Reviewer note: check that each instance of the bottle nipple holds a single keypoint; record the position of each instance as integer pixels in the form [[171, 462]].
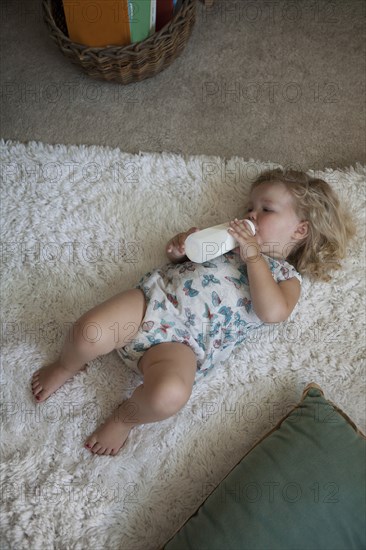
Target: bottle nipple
[[251, 225]]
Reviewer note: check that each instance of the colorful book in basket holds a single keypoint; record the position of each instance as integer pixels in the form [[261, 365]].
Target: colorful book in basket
[[99, 23], [164, 13], [142, 14]]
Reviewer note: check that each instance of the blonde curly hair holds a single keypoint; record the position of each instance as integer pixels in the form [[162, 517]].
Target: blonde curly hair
[[330, 226]]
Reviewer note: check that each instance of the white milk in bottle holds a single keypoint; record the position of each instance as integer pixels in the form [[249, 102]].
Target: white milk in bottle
[[207, 244]]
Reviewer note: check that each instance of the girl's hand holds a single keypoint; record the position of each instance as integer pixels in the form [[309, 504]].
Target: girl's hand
[[175, 248], [249, 248]]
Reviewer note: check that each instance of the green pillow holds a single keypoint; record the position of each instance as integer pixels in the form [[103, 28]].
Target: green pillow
[[301, 487]]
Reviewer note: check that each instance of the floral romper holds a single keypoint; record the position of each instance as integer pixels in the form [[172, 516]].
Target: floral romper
[[205, 306]]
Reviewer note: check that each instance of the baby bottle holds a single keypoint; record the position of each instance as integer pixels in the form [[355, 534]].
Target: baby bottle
[[212, 242]]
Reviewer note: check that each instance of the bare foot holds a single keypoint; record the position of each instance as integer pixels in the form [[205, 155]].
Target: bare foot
[[110, 436], [48, 379]]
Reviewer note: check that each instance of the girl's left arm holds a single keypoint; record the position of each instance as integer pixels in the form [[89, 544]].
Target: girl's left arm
[[272, 302]]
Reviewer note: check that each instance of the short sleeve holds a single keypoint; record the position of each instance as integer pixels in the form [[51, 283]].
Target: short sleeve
[[282, 270]]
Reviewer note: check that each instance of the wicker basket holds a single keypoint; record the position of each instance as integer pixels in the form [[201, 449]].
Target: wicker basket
[[124, 64]]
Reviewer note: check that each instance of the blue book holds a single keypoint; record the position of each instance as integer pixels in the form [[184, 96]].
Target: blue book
[[177, 5]]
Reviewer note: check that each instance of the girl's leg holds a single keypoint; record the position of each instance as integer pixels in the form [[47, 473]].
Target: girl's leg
[[104, 328], [169, 371]]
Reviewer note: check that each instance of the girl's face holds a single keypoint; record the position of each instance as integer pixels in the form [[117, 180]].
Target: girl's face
[[272, 211]]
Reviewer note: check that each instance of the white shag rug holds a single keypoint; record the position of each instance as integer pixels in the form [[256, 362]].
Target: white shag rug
[[81, 223]]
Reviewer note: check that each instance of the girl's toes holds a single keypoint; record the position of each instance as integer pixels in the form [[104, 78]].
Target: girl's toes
[[96, 448], [92, 445], [89, 444], [102, 451], [37, 389], [40, 394]]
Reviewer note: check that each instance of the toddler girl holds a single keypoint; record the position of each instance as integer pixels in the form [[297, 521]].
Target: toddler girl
[[183, 318]]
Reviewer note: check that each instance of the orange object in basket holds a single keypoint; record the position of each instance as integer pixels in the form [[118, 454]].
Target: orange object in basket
[[98, 23]]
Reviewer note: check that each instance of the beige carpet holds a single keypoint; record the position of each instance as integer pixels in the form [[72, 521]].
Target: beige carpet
[[276, 80]]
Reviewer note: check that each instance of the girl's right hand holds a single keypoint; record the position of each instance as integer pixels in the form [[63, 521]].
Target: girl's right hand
[[175, 248]]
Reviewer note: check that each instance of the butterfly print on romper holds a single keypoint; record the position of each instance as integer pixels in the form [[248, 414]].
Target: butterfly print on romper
[[190, 317], [216, 300], [187, 266], [246, 303], [188, 290], [172, 299], [147, 326], [181, 334], [208, 315], [207, 279], [159, 305], [164, 326]]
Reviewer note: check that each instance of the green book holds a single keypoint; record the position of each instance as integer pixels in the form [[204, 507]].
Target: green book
[[139, 12]]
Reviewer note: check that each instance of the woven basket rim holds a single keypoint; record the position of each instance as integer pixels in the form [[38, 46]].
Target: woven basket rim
[[130, 48]]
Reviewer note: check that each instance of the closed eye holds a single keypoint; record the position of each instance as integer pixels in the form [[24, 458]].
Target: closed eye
[[264, 210]]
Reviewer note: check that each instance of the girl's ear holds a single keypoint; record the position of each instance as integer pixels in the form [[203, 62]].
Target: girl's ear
[[302, 230]]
